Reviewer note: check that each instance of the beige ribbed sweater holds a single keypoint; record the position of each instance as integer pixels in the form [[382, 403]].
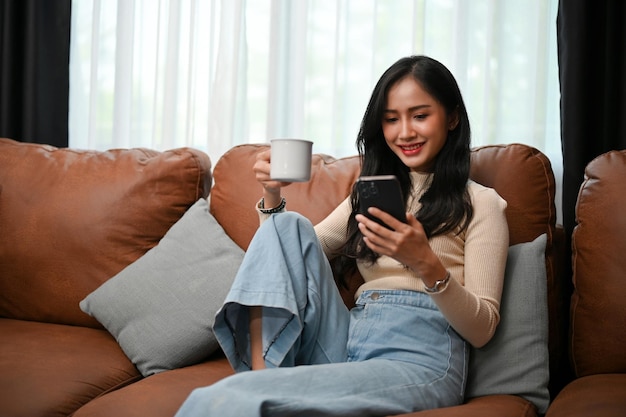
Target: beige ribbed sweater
[[475, 259]]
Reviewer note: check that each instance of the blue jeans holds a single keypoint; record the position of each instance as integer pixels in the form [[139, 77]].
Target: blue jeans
[[392, 353]]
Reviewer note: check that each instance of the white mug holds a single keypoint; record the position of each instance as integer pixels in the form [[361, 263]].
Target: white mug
[[290, 160]]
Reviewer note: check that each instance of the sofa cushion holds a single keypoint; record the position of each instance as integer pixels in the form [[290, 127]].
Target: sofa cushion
[[71, 219], [598, 339], [159, 395], [490, 406], [161, 307], [594, 395], [523, 176], [515, 361], [236, 191], [52, 370]]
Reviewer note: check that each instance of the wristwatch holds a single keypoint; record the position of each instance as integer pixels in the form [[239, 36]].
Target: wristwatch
[[440, 285]]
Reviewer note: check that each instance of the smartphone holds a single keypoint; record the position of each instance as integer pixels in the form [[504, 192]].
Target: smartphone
[[382, 192]]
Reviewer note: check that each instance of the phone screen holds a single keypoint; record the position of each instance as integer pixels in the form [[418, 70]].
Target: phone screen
[[382, 192]]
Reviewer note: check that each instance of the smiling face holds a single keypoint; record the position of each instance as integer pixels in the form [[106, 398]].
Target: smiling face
[[415, 124]]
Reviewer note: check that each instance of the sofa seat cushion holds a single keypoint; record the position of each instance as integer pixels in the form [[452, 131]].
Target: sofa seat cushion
[[52, 369], [159, 395], [488, 406], [594, 395]]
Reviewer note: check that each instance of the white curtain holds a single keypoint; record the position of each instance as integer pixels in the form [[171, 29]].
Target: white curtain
[[215, 73]]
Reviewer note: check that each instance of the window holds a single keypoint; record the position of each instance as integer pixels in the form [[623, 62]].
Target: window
[[214, 74]]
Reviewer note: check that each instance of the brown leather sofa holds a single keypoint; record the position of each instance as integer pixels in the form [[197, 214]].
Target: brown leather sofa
[[71, 219], [598, 310]]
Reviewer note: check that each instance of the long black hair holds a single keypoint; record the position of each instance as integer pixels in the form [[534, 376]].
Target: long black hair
[[446, 205]]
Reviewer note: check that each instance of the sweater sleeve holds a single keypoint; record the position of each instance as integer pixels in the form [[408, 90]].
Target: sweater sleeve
[[332, 231], [472, 308]]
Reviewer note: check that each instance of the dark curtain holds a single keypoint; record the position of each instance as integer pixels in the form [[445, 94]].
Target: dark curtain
[[34, 70], [591, 38], [592, 71]]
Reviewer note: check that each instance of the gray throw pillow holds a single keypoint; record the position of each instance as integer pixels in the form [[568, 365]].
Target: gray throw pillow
[[515, 361], [161, 308]]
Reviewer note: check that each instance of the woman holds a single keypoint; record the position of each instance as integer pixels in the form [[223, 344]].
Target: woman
[[432, 284]]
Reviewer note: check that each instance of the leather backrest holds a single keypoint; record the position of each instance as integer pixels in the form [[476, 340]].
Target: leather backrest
[[236, 191], [598, 309], [521, 174], [71, 219]]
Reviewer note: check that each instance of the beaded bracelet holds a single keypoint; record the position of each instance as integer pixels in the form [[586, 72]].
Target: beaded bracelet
[[276, 209]]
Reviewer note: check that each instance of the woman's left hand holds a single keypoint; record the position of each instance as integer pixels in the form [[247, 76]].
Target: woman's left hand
[[407, 242]]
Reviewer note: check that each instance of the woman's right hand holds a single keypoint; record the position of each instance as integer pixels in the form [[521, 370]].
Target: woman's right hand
[[271, 189]]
